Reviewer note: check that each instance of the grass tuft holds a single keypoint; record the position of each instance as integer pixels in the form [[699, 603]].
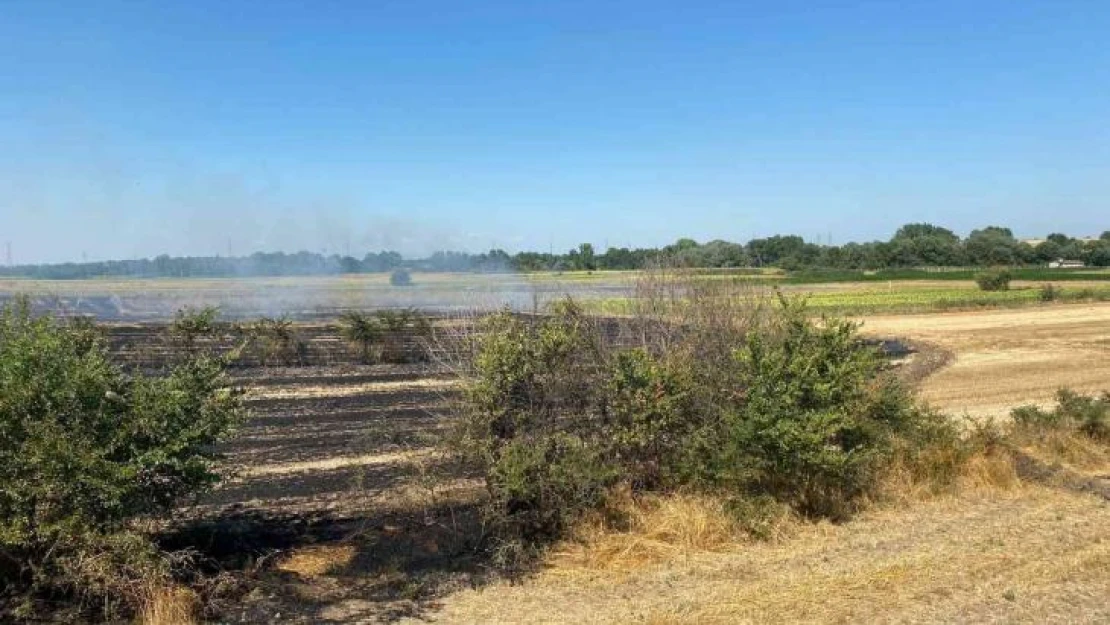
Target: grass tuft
[[169, 605]]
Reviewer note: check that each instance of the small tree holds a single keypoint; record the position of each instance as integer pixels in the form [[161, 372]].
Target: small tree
[[994, 280], [363, 331], [400, 277]]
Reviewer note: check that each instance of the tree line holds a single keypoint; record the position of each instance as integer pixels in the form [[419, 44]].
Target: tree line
[[913, 245]]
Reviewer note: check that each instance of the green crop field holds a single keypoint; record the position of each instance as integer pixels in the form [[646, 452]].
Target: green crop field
[[903, 297]]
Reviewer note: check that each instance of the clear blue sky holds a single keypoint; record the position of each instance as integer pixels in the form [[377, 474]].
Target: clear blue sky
[[134, 128]]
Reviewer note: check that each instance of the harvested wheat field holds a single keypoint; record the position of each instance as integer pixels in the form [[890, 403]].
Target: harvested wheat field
[[1004, 358], [1029, 555]]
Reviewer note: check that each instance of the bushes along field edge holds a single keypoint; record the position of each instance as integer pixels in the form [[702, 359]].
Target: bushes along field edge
[[87, 449], [745, 399]]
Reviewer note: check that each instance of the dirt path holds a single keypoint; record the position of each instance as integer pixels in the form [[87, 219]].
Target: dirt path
[[1008, 357]]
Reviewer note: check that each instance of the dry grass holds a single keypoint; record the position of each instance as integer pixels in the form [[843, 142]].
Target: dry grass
[[1005, 358], [989, 547], [316, 560], [650, 530], [1025, 555], [170, 605], [408, 457], [1065, 448]]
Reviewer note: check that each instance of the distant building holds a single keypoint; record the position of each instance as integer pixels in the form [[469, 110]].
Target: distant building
[[1061, 263]]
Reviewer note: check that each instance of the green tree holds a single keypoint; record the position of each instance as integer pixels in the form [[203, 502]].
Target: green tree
[[926, 231], [993, 246], [583, 258]]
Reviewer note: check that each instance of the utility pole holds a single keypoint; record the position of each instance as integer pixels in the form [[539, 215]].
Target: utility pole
[[8, 254]]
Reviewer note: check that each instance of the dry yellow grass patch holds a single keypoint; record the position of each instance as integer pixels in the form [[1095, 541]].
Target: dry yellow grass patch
[[656, 529], [316, 560], [989, 471], [306, 391], [1026, 555], [338, 462], [1070, 449], [990, 548], [170, 605]]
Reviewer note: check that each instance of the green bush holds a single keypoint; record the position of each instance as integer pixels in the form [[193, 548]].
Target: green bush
[[403, 332], [816, 417], [362, 331], [1087, 414], [556, 414], [648, 408], [85, 449], [994, 280], [531, 424], [395, 336]]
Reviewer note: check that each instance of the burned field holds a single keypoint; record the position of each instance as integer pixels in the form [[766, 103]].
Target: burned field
[[337, 503], [340, 501]]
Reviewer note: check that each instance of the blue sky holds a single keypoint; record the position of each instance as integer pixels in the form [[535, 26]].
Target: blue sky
[[135, 128]]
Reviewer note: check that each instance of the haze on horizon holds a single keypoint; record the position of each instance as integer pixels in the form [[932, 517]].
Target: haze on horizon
[[198, 128]]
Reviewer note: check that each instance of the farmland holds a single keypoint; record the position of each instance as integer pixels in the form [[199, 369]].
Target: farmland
[[341, 507], [609, 292]]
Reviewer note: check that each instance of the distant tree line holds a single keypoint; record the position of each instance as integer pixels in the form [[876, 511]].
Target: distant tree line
[[913, 245]]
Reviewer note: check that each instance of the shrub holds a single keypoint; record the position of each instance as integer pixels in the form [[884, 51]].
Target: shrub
[[277, 341], [531, 425], [362, 331], [556, 412], [402, 335], [400, 277], [86, 449], [1089, 415], [993, 280], [395, 336], [816, 417], [190, 324], [1050, 292]]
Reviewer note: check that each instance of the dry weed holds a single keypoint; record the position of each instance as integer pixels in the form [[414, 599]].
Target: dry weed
[[169, 605], [316, 560], [652, 530]]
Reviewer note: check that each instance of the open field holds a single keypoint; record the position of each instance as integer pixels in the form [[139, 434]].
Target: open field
[[330, 513], [1008, 357], [309, 296], [606, 291], [330, 488], [905, 296]]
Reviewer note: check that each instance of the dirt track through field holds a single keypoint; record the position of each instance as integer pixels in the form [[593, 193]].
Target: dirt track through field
[[1005, 358]]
